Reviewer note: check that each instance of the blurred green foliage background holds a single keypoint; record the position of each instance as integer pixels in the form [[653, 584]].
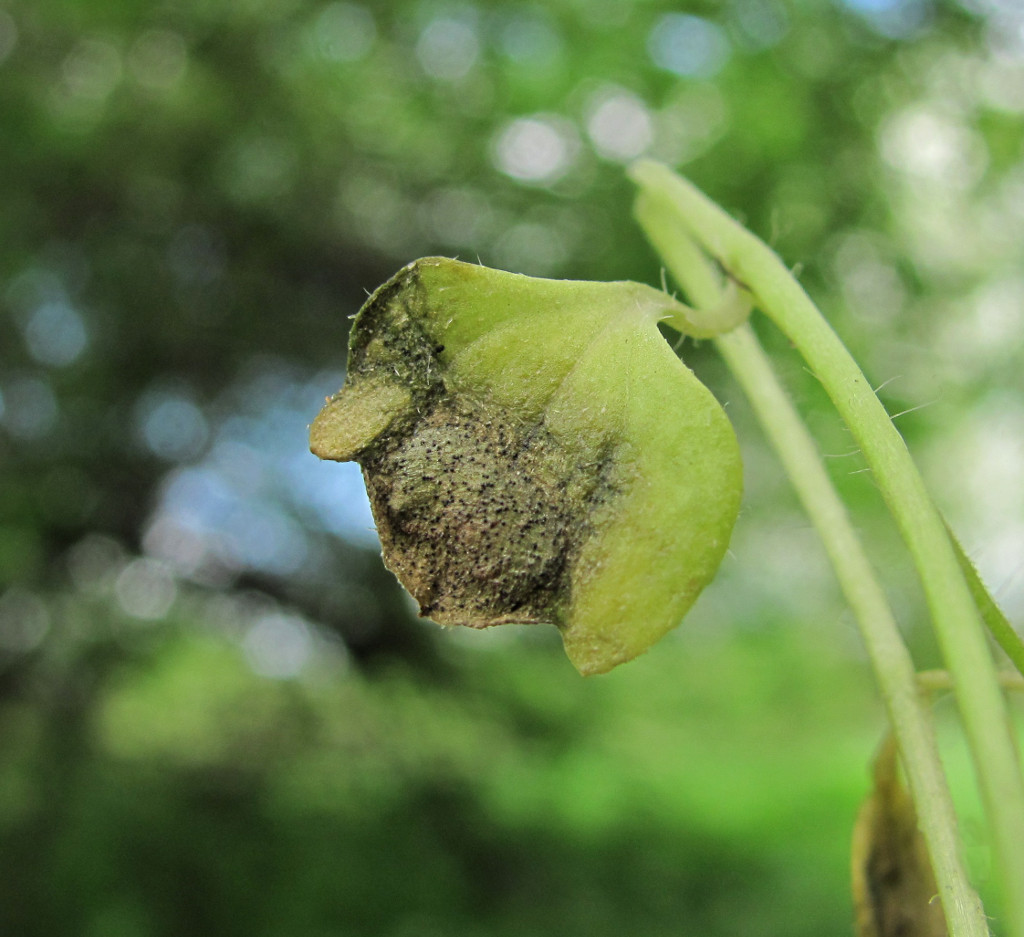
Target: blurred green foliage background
[[218, 715]]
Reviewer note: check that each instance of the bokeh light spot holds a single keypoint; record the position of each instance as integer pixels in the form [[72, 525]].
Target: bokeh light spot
[[619, 124], [335, 496], [260, 168], [172, 426], [92, 70], [531, 247], [528, 38], [871, 285], [380, 210], [278, 645], [448, 48], [690, 124], [265, 537], [344, 32], [93, 562], [206, 529], [761, 23], [158, 59], [537, 150], [31, 409], [257, 500], [55, 334], [24, 621], [894, 19], [687, 45], [989, 335], [145, 589], [984, 493], [457, 217], [924, 144], [1004, 32], [1001, 83]]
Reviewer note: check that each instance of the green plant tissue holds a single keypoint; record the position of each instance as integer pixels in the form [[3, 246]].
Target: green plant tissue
[[535, 452]]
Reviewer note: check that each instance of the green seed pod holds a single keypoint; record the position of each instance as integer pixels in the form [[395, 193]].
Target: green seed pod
[[535, 452]]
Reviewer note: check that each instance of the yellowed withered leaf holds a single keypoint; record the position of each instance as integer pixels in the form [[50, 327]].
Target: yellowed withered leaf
[[894, 890], [535, 452]]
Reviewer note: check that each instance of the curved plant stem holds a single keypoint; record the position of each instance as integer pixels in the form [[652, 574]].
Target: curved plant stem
[[890, 659], [955, 617], [991, 613]]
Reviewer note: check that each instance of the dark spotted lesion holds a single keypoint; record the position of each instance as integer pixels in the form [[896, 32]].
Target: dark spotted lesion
[[481, 518], [391, 337]]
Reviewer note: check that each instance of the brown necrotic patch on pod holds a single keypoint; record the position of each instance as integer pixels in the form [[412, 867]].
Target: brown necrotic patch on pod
[[534, 452], [479, 517]]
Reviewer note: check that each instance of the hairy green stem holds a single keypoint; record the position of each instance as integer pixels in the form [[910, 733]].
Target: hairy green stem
[[890, 659], [889, 656], [955, 617], [991, 613]]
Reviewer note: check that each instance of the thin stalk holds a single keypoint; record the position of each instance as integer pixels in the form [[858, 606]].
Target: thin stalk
[[930, 681], [890, 659], [991, 613], [956, 620]]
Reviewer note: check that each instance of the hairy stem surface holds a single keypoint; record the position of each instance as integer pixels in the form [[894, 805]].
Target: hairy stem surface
[[955, 617], [893, 667]]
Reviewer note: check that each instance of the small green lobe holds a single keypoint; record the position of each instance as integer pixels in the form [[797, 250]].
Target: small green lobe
[[350, 422]]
